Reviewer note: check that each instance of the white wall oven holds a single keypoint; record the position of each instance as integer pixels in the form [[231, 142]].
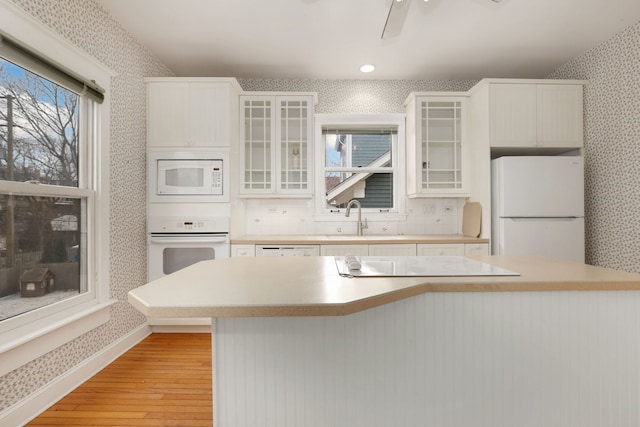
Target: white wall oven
[[190, 176], [178, 242]]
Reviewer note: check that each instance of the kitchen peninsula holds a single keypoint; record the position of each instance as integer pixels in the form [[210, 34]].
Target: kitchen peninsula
[[296, 344]]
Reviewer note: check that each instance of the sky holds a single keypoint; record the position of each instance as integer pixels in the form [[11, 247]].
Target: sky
[[43, 107]]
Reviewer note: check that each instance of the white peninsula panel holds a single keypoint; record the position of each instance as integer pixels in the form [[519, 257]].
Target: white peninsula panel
[[504, 359]]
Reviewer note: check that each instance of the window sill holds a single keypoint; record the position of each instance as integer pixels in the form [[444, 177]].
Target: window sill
[[26, 343]]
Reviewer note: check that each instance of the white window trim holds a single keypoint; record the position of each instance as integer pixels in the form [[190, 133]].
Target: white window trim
[[398, 213], [81, 314]]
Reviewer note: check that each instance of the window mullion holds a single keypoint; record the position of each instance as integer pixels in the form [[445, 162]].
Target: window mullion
[[28, 189], [385, 169]]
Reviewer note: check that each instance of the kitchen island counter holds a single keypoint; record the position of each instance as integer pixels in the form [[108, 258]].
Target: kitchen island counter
[[311, 286], [295, 344]]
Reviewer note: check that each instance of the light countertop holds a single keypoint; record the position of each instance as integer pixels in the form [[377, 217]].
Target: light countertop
[[350, 239], [311, 286]]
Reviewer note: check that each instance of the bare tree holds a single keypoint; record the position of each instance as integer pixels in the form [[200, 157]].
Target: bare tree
[[44, 148], [46, 127]]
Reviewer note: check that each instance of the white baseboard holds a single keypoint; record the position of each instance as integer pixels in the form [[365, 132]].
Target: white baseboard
[[180, 325], [30, 407], [180, 321], [181, 329]]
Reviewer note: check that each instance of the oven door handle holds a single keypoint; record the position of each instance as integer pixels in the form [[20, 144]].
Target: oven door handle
[[174, 240]]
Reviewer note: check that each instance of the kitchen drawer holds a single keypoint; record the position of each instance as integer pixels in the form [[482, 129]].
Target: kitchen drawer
[[342, 250], [471, 249], [445, 249], [406, 249], [287, 250], [243, 250]]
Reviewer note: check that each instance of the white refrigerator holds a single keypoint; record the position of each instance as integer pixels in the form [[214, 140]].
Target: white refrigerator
[[537, 206]]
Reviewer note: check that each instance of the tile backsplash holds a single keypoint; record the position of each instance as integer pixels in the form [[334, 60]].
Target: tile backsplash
[[289, 216]]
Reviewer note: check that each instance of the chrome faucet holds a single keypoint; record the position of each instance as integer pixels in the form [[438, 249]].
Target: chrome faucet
[[361, 226]]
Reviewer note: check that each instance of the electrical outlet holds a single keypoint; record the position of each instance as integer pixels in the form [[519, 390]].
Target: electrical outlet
[[272, 211]]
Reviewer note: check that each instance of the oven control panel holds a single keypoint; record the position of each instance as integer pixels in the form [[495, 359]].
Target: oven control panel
[[182, 226], [188, 225], [191, 225]]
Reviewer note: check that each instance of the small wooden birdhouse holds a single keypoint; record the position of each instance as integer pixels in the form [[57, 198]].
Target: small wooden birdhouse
[[36, 282]]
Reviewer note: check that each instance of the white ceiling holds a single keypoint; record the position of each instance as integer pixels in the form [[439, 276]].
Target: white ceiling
[[330, 39]]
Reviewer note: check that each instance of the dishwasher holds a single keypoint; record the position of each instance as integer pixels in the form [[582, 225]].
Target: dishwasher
[[288, 250]]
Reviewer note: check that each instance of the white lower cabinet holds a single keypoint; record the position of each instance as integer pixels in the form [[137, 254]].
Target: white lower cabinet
[[391, 249], [471, 249], [444, 249], [243, 250], [342, 250], [407, 249]]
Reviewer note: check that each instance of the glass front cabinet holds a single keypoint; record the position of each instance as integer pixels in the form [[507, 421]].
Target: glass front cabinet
[[436, 147], [276, 144]]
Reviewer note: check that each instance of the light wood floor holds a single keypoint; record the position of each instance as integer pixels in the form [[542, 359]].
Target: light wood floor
[[163, 381]]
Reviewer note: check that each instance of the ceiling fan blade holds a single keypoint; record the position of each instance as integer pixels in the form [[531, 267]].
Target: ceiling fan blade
[[395, 18]]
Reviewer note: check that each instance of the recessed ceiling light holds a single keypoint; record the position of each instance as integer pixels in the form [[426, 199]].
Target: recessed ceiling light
[[367, 68]]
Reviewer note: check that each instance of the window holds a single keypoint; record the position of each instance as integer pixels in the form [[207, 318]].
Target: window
[[55, 179], [47, 132], [43, 207], [360, 160], [359, 165]]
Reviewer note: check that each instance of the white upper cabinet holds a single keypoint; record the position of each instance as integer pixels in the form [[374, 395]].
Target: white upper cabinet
[[560, 115], [513, 115], [545, 115], [437, 152], [276, 144], [198, 112]]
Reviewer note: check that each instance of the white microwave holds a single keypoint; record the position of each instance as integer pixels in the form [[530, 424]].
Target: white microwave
[[188, 176]]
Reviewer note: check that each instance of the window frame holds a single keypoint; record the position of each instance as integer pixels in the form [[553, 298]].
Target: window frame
[[37, 332], [397, 213], [84, 192]]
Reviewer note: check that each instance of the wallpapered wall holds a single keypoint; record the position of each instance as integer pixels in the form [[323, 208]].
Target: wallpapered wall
[[89, 27], [357, 96], [612, 148]]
